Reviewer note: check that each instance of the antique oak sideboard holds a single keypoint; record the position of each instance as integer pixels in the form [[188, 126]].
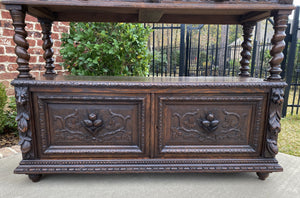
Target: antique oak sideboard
[[70, 124]]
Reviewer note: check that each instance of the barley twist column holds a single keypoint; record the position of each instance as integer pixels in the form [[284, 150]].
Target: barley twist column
[[46, 25], [18, 16], [247, 47], [280, 24]]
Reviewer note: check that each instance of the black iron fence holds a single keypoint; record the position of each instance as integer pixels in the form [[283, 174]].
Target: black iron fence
[[214, 50], [291, 67]]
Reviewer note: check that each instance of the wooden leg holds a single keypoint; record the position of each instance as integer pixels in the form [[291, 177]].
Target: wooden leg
[[262, 175], [246, 53], [18, 14], [280, 24], [35, 177], [46, 25]]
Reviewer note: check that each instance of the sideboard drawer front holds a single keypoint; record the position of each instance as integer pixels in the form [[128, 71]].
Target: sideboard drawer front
[[200, 125], [98, 126]]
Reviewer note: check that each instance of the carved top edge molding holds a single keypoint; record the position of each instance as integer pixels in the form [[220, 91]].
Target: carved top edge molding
[[112, 84], [96, 2]]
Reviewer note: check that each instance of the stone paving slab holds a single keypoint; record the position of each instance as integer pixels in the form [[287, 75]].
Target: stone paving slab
[[231, 185], [8, 151]]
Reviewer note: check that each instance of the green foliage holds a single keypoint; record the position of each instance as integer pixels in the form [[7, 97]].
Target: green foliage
[[3, 99], [160, 63], [113, 49], [11, 114]]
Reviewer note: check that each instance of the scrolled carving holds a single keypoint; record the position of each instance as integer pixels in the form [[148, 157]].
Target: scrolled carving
[[247, 46], [187, 126], [23, 120], [18, 17], [280, 24], [47, 45], [274, 126], [112, 125]]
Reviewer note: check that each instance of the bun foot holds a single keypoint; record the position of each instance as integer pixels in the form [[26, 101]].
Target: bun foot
[[35, 177], [262, 175]]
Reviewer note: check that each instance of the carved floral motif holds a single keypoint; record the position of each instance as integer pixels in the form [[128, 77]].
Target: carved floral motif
[[274, 126], [23, 119], [98, 127], [187, 126]]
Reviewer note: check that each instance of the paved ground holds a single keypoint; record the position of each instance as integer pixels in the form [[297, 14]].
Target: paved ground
[[240, 185]]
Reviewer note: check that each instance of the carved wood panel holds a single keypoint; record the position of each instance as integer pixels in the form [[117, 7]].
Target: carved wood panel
[[106, 125], [210, 124]]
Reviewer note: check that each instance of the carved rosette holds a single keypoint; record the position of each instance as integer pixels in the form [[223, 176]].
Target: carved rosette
[[247, 46], [47, 45], [23, 120], [18, 17], [280, 24], [274, 126]]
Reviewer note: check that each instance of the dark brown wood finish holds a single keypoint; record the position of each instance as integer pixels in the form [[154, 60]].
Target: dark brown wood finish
[[105, 125], [46, 25], [18, 13], [247, 46]]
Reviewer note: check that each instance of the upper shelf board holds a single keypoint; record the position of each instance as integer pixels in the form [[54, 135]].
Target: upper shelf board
[[154, 11]]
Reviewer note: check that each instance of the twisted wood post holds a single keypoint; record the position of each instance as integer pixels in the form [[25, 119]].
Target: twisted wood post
[[18, 14], [280, 24], [247, 47], [46, 25]]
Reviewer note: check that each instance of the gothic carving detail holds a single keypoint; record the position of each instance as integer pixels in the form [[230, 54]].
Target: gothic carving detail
[[274, 126], [23, 120]]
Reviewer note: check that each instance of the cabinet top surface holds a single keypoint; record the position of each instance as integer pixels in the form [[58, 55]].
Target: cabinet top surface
[[148, 82], [157, 11]]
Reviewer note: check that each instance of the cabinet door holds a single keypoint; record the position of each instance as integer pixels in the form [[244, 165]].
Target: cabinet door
[[91, 125], [209, 125]]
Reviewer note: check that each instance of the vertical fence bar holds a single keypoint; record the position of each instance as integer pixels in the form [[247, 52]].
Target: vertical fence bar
[[229, 50], [217, 51], [187, 50], [198, 52], [225, 53], [254, 51], [294, 95], [285, 51], [234, 52], [263, 50], [291, 58], [153, 48], [162, 51], [207, 45], [171, 67]]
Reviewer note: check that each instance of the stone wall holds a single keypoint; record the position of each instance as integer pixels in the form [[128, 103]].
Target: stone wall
[[8, 64]]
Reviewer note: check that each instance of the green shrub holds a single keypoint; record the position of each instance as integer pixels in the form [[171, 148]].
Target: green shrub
[[11, 113], [113, 49], [3, 99]]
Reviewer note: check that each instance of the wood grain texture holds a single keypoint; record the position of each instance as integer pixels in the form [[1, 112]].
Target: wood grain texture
[[280, 24], [46, 25], [18, 16], [247, 46]]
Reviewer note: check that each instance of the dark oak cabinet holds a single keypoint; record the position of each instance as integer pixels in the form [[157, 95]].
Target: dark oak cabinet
[[71, 124]]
